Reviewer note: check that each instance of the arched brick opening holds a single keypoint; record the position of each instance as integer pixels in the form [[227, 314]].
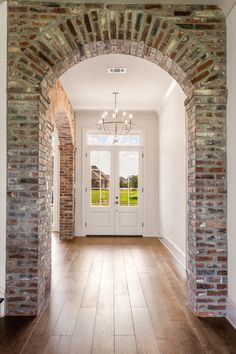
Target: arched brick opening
[[61, 114], [186, 41]]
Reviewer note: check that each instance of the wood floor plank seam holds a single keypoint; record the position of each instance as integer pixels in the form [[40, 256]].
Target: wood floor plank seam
[[153, 330], [148, 308], [128, 293], [81, 303], [40, 317], [95, 319]]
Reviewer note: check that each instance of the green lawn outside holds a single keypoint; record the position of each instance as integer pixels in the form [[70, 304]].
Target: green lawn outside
[[133, 197], [96, 196]]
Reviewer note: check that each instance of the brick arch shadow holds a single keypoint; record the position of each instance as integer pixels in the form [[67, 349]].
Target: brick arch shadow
[[186, 41]]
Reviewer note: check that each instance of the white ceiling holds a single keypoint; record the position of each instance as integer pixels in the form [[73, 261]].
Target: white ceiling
[[89, 86], [226, 5]]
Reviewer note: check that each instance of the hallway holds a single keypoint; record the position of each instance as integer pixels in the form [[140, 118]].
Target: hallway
[[116, 295]]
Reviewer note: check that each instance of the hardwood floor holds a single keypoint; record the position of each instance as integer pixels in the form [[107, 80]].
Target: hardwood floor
[[116, 295]]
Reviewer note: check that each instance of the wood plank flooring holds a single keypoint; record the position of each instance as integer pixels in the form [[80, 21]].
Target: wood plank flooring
[[116, 296]]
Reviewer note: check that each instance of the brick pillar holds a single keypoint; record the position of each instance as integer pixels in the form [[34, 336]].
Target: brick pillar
[[45, 201], [207, 240], [67, 193], [28, 262]]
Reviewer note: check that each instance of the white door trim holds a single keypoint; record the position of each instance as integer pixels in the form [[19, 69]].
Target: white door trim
[[80, 213], [84, 155]]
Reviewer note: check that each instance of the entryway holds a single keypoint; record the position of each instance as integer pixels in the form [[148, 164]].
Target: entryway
[[113, 185], [72, 33]]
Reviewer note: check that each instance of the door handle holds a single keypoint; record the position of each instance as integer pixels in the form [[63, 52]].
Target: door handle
[[117, 202]]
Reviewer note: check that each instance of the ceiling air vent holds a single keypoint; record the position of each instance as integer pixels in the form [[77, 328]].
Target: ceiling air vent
[[117, 70]]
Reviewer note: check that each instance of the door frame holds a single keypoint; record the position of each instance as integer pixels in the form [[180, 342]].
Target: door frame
[[140, 130]]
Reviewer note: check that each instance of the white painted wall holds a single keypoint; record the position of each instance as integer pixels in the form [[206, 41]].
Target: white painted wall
[[3, 118], [231, 53], [172, 174], [146, 121]]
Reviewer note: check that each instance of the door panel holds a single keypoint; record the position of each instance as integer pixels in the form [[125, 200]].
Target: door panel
[[127, 220], [101, 219], [100, 196], [128, 195]]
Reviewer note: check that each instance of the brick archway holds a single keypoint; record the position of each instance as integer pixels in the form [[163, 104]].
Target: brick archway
[[186, 41]]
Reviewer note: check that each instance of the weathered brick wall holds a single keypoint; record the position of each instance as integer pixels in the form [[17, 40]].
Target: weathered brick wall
[[207, 243], [44, 203], [22, 208], [188, 41], [62, 115], [67, 193]]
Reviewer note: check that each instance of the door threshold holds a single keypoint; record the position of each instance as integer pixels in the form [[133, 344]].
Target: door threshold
[[114, 236]]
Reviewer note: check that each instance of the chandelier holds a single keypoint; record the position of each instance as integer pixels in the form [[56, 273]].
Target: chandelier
[[115, 123]]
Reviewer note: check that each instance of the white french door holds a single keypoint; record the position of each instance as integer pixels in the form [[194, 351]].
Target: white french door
[[128, 191], [114, 193]]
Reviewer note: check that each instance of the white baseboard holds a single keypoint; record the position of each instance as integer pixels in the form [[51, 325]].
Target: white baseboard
[[231, 312], [150, 234], [2, 309], [177, 253]]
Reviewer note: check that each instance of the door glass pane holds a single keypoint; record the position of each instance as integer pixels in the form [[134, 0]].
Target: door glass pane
[[128, 177], [134, 140], [100, 178], [123, 139], [103, 139], [93, 139], [133, 196], [95, 196], [124, 196], [96, 175], [105, 197], [106, 139]]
